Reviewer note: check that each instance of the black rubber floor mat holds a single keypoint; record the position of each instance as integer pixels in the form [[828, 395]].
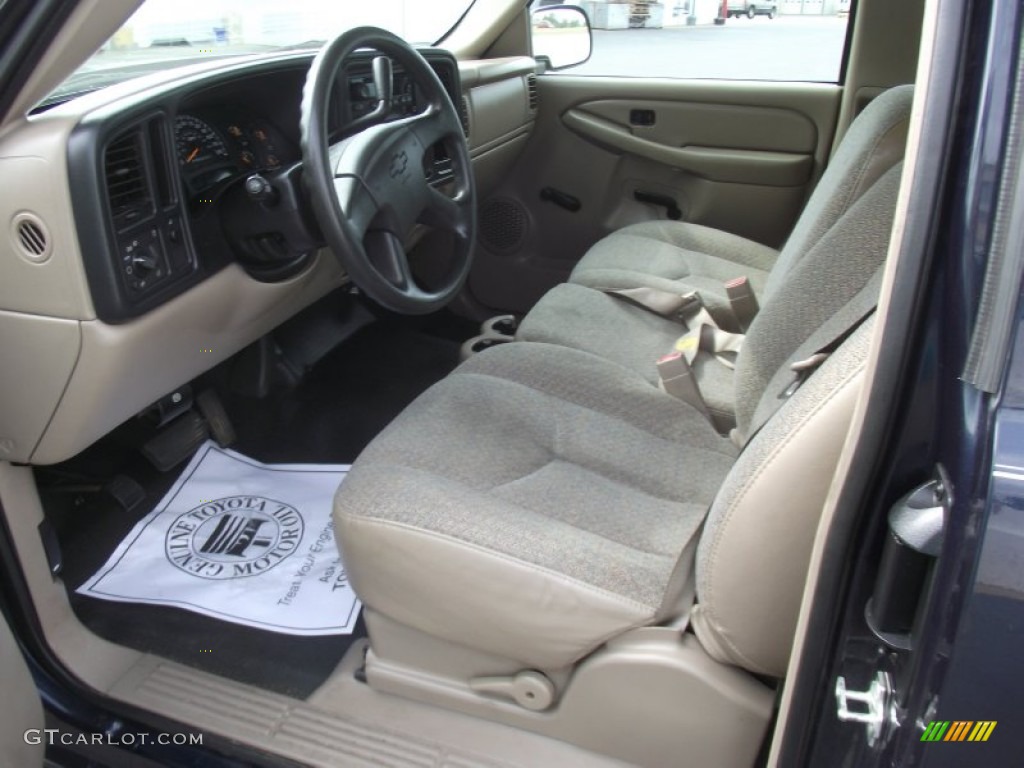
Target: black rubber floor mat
[[288, 664], [347, 399], [293, 666]]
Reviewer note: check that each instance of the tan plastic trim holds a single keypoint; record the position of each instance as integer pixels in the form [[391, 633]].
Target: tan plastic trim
[[124, 368], [483, 23], [497, 100], [482, 71], [883, 53], [93, 660], [39, 354], [741, 166], [498, 109], [651, 697], [34, 151], [20, 708]]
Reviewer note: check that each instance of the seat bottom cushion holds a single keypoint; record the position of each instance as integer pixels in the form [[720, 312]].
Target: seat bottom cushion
[[674, 256], [612, 328], [532, 505]]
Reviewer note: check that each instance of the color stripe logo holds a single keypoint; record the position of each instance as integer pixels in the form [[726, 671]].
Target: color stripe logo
[[958, 730]]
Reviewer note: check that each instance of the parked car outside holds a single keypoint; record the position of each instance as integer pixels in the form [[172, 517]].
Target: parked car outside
[[752, 8]]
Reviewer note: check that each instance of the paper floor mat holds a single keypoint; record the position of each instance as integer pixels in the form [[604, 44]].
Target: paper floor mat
[[240, 541]]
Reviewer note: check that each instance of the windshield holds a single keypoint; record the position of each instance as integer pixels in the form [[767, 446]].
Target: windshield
[[164, 33]]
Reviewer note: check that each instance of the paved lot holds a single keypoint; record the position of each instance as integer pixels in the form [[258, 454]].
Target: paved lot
[[784, 48]]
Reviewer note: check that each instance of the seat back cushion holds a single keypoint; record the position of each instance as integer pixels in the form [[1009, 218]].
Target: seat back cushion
[[794, 323], [875, 143]]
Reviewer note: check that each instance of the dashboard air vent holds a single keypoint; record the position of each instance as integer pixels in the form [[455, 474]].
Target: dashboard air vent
[[127, 189], [32, 238], [464, 115], [531, 87]]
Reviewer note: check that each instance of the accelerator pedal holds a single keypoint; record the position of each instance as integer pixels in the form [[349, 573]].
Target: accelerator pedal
[[217, 420]]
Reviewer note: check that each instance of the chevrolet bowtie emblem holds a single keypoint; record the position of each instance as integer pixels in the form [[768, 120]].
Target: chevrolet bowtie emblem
[[398, 164]]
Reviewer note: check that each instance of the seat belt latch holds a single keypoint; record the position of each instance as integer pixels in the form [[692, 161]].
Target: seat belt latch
[[677, 379], [742, 301]]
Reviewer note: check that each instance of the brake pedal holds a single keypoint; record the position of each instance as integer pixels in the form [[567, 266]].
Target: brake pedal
[[177, 441]]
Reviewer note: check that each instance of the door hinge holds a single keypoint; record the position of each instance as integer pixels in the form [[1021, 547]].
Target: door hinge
[[917, 526], [874, 708]]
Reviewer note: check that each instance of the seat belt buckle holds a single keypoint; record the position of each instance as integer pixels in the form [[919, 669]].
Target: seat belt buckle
[[742, 301], [677, 379], [690, 305]]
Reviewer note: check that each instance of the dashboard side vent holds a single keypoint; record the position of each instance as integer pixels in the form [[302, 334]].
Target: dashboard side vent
[[531, 88], [464, 115], [127, 185], [32, 237]]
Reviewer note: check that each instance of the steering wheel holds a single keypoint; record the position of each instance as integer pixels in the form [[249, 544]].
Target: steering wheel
[[367, 184]]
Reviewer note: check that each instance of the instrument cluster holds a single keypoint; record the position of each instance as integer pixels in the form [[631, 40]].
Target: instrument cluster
[[212, 149]]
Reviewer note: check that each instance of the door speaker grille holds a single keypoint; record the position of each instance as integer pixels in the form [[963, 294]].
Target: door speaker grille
[[503, 224], [31, 237]]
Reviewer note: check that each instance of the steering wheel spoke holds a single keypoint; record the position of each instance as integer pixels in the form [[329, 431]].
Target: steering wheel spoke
[[356, 203], [388, 257], [432, 127], [446, 213]]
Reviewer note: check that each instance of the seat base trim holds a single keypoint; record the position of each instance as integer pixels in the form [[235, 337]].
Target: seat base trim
[[648, 697]]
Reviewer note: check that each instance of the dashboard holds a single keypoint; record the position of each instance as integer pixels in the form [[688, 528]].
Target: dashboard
[[124, 274], [171, 179]]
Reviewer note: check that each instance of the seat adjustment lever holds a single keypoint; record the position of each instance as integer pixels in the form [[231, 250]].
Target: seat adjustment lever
[[529, 689]]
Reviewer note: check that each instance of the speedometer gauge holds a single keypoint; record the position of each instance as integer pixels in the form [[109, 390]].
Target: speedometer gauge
[[196, 141]]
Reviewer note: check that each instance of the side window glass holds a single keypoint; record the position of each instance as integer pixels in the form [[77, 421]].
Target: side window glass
[[794, 40]]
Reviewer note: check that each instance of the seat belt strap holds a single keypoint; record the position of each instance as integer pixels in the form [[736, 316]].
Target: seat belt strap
[[676, 378], [682, 307], [804, 368], [665, 303], [742, 301], [705, 336]]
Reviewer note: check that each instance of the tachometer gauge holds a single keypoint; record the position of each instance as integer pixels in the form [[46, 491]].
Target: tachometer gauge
[[197, 142]]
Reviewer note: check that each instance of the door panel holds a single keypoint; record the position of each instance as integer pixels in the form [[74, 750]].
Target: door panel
[[708, 140], [738, 156]]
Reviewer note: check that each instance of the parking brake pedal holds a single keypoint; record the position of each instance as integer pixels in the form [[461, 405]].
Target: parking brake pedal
[[125, 492], [177, 441]]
